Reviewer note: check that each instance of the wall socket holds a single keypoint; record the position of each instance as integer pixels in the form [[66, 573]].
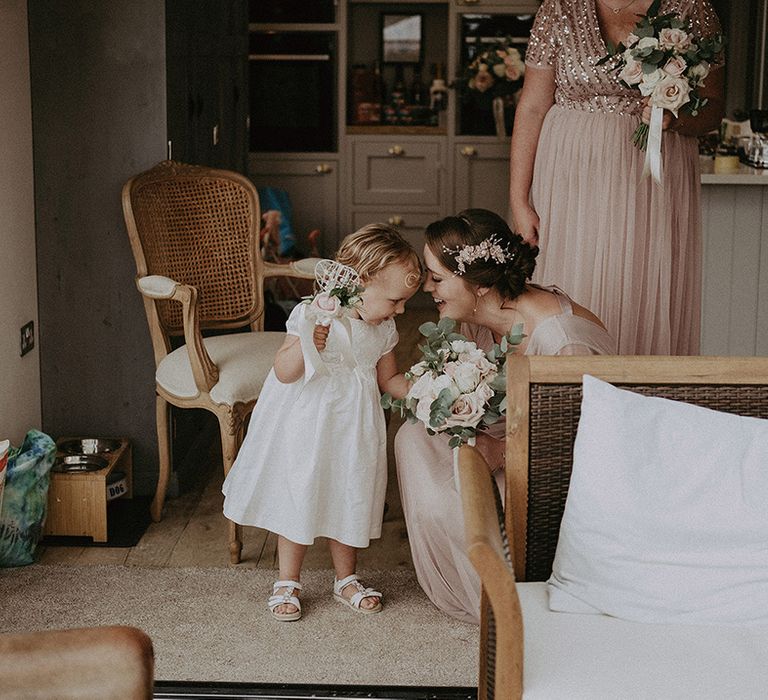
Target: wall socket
[[27, 337]]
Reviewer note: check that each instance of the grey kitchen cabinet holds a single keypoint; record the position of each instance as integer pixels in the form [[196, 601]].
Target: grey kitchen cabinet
[[481, 176]]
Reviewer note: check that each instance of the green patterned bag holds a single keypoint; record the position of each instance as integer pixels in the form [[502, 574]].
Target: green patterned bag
[[25, 498]]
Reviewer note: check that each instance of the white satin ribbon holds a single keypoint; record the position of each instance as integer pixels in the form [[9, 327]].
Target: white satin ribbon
[[652, 163]]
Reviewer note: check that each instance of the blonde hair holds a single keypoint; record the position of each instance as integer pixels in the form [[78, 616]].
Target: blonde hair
[[375, 246]]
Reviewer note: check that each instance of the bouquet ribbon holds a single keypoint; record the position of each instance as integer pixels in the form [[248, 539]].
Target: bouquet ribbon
[[313, 360], [652, 163]]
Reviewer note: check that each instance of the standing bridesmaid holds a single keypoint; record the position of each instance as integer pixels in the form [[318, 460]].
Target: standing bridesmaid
[[620, 244]]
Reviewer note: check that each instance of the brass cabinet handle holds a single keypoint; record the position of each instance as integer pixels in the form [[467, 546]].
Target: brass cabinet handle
[[323, 169], [395, 220], [396, 150], [469, 151]]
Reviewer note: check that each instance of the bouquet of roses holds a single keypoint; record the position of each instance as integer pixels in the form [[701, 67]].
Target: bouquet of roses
[[457, 388], [667, 63], [498, 70]]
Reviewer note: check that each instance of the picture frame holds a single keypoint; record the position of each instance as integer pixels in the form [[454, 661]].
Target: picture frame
[[402, 37]]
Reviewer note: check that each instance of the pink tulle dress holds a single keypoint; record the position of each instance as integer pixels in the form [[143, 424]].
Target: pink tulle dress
[[623, 247]]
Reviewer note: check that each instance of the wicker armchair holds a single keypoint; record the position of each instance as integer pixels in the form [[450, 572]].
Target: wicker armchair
[[194, 233], [543, 407]]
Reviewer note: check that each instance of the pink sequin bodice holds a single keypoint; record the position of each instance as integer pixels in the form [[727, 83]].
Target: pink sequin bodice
[[566, 36]]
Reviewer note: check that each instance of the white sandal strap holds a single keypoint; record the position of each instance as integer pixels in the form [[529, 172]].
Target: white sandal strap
[[338, 586], [283, 599], [357, 597], [286, 583]]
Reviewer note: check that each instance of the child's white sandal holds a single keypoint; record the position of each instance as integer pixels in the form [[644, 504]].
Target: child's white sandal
[[358, 596], [285, 598]]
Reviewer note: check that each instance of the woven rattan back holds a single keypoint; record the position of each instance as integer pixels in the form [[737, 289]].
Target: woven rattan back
[[544, 412], [199, 226]]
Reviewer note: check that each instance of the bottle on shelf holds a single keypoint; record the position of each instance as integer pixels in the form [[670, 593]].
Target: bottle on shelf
[[438, 94], [418, 90]]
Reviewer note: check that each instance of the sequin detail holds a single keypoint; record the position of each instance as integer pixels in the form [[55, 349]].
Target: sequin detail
[[566, 36]]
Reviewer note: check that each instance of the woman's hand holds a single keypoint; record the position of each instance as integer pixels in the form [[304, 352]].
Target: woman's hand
[[493, 451], [666, 121], [526, 222], [320, 337]]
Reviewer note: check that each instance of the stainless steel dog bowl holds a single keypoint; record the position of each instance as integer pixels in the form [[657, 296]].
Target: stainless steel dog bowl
[[79, 463], [89, 446]]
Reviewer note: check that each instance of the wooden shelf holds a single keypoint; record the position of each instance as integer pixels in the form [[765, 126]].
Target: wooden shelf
[[385, 129]]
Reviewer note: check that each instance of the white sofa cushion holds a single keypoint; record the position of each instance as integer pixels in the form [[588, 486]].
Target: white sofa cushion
[[666, 518], [597, 657], [243, 359]]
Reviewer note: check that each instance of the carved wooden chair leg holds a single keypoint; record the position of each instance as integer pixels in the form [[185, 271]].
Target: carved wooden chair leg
[[164, 453], [230, 428]]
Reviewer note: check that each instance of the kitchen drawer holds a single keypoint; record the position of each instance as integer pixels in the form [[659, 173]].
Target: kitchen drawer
[[397, 172]]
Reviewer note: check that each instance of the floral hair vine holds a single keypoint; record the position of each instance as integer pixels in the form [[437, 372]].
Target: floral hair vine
[[492, 248]]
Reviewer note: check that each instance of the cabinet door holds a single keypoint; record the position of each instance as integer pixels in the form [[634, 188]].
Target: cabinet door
[[313, 186], [397, 172], [481, 177]]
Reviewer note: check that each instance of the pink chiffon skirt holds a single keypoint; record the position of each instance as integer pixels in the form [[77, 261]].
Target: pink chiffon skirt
[[619, 244]]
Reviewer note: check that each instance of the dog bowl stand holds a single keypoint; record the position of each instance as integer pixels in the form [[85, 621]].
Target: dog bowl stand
[[77, 501]]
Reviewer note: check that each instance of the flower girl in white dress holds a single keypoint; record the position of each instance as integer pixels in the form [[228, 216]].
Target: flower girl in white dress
[[313, 463]]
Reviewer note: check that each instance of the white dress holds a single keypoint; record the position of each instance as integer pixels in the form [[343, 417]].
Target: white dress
[[314, 459]]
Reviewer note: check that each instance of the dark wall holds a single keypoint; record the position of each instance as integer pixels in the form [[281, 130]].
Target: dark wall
[[99, 117]]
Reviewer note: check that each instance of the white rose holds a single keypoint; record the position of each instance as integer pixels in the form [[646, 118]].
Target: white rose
[[671, 93], [466, 377], [675, 39], [698, 72], [421, 387], [675, 66], [647, 42], [649, 81], [632, 73], [484, 392], [631, 40], [459, 346], [418, 369], [466, 412]]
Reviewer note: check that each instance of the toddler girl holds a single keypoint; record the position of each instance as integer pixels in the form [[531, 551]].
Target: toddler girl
[[313, 462]]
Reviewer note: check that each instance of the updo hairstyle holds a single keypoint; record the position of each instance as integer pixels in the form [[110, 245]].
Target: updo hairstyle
[[471, 227]]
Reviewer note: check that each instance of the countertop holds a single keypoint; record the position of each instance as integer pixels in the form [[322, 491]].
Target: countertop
[[745, 175]]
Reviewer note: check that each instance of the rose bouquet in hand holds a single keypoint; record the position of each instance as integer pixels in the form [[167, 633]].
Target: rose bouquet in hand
[[666, 62], [457, 388], [339, 288]]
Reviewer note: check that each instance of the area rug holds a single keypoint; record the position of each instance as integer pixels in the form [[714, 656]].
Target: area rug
[[213, 625]]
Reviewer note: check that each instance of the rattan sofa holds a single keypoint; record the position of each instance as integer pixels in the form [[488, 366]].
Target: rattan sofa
[[529, 651]]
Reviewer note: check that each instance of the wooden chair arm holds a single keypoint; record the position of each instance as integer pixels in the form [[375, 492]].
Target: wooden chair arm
[[204, 370], [302, 269], [109, 663], [483, 525]]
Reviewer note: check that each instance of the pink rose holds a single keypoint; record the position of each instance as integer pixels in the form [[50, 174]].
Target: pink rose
[[483, 80], [325, 307], [466, 412], [675, 66], [671, 93], [675, 39], [632, 73]]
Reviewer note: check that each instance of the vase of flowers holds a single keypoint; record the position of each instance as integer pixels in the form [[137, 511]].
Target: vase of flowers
[[490, 83]]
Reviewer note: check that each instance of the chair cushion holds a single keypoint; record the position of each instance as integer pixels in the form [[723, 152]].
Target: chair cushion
[[666, 518], [597, 657], [243, 359]]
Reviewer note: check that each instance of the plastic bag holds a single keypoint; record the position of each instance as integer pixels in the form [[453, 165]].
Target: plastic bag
[[25, 498]]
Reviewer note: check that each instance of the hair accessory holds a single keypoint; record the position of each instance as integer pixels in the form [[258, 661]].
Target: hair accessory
[[330, 275], [492, 248]]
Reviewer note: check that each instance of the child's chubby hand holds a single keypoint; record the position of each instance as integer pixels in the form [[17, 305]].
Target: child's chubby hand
[[320, 337]]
